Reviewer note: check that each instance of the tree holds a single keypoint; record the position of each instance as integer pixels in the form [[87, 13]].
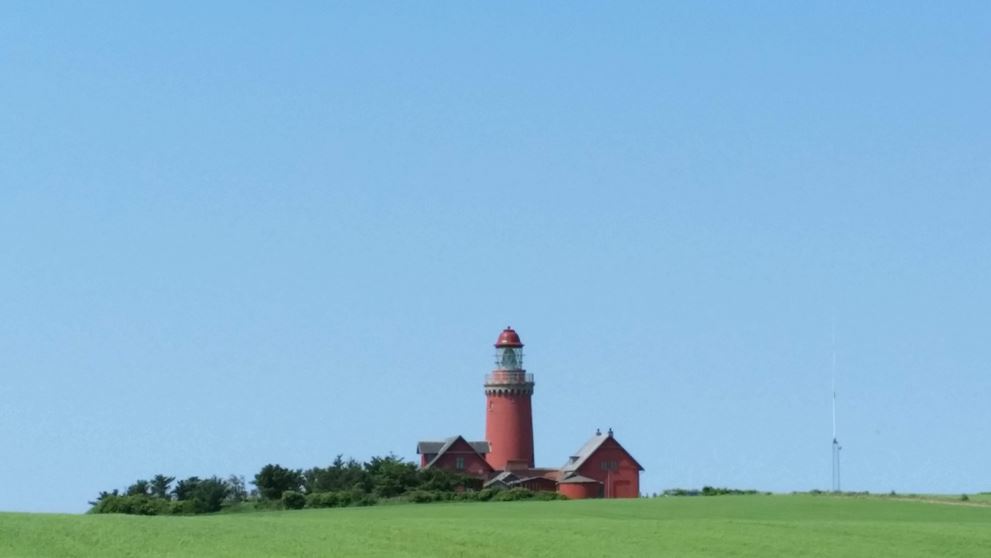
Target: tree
[[210, 494], [205, 495], [340, 475], [160, 485], [236, 489], [391, 476], [139, 488], [185, 489], [104, 495], [273, 480]]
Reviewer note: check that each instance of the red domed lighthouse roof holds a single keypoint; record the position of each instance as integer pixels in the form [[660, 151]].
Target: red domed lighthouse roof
[[509, 338]]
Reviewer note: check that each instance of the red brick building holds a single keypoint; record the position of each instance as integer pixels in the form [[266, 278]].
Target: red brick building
[[456, 454], [602, 468]]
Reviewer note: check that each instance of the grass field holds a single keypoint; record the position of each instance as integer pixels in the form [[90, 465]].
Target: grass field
[[713, 526]]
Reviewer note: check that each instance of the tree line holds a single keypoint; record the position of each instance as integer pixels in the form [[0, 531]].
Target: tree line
[[343, 483], [159, 496]]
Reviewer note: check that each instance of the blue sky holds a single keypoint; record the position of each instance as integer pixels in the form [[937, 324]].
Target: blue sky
[[240, 233]]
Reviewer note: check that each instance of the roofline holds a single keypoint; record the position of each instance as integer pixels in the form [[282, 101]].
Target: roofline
[[602, 439]]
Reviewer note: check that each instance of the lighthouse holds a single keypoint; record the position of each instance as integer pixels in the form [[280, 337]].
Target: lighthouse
[[508, 413], [601, 468]]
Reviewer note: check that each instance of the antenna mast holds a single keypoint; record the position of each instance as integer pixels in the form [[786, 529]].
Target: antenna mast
[[836, 443]]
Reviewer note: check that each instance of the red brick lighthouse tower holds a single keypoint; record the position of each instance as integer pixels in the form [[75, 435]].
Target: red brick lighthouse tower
[[508, 414]]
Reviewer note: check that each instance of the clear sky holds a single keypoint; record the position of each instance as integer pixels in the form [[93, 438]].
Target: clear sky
[[236, 233]]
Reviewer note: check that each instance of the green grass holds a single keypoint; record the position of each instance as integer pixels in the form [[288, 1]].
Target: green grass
[[762, 526]]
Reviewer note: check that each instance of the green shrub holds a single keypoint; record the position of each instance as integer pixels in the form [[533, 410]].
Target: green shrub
[[361, 498], [421, 496], [344, 498], [718, 491], [486, 494], [134, 504], [293, 500], [681, 492], [323, 500], [512, 495]]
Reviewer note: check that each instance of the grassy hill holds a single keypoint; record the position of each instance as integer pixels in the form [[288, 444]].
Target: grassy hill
[[716, 526]]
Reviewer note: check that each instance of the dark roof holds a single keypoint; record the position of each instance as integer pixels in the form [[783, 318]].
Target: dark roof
[[586, 451], [435, 447], [480, 448], [514, 478], [537, 472], [504, 477]]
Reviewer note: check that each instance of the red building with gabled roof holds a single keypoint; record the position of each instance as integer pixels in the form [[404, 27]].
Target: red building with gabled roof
[[456, 454], [602, 468]]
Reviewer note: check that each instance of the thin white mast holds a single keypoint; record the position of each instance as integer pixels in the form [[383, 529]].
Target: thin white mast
[[836, 442], [834, 394]]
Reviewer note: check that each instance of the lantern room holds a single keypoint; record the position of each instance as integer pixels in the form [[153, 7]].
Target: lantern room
[[509, 350]]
